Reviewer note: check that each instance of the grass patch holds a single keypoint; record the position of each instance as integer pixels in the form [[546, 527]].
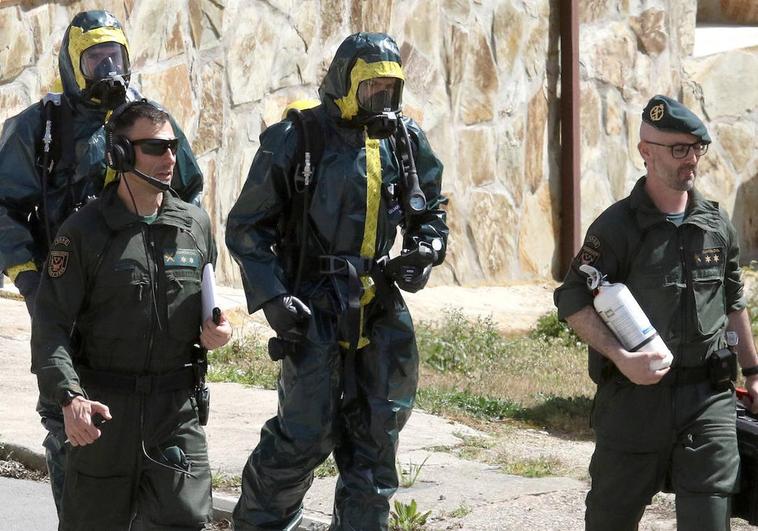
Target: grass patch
[[222, 481], [532, 468], [460, 511], [243, 360], [469, 370], [327, 469]]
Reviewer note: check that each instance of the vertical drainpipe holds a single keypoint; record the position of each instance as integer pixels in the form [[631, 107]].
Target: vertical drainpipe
[[570, 139]]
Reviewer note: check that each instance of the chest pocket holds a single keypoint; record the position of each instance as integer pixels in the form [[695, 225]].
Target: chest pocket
[[122, 291], [182, 270], [707, 271]]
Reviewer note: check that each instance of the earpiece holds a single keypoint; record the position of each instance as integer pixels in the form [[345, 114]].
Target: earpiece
[[119, 151]]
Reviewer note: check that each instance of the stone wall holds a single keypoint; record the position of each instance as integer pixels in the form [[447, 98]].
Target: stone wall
[[482, 79], [631, 50]]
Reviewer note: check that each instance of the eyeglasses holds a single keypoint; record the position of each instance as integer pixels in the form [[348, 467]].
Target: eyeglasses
[[680, 151], [157, 146]]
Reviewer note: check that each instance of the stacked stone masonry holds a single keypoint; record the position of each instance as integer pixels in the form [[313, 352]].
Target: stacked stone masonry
[[483, 79]]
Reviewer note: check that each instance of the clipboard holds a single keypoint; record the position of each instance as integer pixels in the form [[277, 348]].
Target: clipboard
[[210, 307]]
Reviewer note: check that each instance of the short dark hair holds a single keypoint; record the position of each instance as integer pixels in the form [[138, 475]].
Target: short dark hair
[[123, 121]]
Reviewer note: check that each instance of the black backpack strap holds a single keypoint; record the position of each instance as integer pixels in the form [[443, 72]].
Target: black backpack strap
[[310, 148], [310, 145]]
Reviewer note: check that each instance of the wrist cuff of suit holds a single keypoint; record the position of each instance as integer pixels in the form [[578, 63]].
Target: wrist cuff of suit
[[16, 270], [750, 371]]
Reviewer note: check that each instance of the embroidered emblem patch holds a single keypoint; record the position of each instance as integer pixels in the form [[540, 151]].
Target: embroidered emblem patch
[[590, 251], [57, 262], [656, 113], [182, 258], [709, 257], [62, 240]]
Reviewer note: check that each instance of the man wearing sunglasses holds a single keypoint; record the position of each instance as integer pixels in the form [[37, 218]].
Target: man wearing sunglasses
[[125, 272], [669, 429], [52, 162]]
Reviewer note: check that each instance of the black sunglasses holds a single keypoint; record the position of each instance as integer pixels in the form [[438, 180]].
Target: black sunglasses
[[680, 151], [157, 146]]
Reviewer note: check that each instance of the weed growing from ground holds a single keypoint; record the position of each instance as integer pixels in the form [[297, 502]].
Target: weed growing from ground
[[407, 475], [243, 360], [406, 517], [327, 469]]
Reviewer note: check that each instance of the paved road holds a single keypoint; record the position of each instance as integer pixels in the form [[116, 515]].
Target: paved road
[[35, 501]]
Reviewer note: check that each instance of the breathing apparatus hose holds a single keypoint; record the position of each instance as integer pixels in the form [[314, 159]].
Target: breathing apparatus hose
[[414, 198]]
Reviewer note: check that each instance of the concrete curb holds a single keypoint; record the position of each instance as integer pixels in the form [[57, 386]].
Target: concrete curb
[[223, 506], [27, 457]]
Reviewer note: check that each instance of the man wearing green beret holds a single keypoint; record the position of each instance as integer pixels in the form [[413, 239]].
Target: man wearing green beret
[[673, 428]]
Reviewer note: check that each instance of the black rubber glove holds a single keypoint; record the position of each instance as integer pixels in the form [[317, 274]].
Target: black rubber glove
[[416, 282], [288, 316], [27, 283]]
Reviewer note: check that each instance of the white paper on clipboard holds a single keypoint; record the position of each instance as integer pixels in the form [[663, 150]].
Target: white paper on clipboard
[[208, 291]]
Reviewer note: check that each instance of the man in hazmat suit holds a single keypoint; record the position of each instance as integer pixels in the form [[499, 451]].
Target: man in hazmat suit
[[313, 251], [52, 163]]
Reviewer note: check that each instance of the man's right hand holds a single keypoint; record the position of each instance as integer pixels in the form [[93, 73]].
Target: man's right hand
[[636, 366], [288, 316], [77, 418], [27, 283]]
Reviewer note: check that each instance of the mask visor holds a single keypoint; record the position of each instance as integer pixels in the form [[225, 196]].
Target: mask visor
[[380, 94], [104, 60]]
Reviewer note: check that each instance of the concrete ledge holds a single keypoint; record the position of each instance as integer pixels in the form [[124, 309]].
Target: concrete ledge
[[223, 506], [25, 456]]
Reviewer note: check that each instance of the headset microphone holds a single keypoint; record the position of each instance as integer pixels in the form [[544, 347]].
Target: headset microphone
[[152, 181]]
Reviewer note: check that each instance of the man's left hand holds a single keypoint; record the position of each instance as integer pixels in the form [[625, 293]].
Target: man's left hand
[[216, 335], [751, 401]]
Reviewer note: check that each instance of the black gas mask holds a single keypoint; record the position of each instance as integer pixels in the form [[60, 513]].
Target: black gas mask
[[106, 71], [379, 102]]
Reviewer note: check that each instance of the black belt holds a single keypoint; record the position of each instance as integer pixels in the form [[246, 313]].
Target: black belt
[[144, 384], [328, 264], [354, 267], [685, 376]]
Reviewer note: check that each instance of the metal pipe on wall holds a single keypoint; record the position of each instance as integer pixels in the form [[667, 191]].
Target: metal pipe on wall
[[570, 237]]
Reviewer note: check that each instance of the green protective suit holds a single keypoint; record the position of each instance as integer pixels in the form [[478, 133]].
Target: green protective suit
[[353, 212], [132, 290], [679, 433], [77, 176]]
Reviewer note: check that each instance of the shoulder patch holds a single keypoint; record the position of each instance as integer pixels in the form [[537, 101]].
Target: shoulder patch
[[57, 262], [62, 240], [590, 251]]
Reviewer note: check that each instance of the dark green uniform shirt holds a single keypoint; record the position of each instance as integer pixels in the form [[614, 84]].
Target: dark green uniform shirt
[[686, 278], [132, 290]]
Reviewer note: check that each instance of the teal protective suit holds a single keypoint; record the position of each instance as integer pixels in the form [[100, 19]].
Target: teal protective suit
[[353, 215]]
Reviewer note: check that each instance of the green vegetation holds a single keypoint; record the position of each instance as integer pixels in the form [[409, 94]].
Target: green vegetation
[[327, 469], [469, 371], [222, 481], [531, 468], [406, 517], [460, 511], [243, 360], [407, 475]]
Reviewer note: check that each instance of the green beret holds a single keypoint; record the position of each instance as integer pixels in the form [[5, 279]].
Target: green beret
[[669, 115]]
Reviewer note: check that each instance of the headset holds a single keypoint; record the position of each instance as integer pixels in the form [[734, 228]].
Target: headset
[[119, 150]]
